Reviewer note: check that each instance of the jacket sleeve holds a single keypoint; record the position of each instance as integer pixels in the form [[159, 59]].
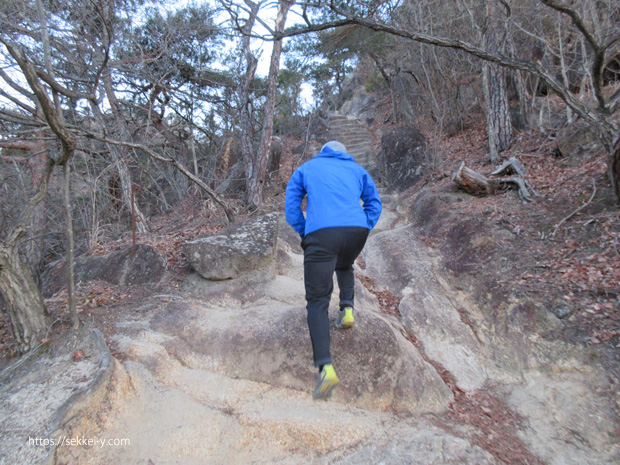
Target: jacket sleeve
[[295, 193], [372, 201]]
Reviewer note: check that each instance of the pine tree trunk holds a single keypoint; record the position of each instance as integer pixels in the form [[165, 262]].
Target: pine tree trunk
[[243, 95], [36, 246], [259, 172], [496, 96], [493, 152], [70, 245], [25, 312], [614, 167], [499, 107]]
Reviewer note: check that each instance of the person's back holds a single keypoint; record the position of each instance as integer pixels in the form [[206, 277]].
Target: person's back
[[334, 185], [333, 234]]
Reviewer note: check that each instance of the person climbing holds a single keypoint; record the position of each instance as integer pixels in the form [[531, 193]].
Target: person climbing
[[333, 233]]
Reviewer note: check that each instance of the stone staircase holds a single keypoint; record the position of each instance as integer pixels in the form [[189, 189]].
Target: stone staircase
[[356, 137]]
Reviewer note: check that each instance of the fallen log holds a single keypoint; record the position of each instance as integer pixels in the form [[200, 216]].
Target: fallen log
[[477, 184], [473, 182]]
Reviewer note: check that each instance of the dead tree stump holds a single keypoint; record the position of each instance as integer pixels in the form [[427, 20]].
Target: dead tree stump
[[471, 181], [477, 184]]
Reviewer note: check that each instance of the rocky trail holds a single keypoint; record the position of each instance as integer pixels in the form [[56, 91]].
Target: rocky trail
[[219, 372]]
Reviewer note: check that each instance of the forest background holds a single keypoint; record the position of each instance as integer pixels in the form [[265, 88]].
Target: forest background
[[113, 114]]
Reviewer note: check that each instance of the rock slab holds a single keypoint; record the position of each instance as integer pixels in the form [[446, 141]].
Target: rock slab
[[246, 247], [379, 369], [125, 267], [397, 262]]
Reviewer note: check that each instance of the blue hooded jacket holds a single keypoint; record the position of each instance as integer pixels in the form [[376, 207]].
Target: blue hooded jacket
[[334, 184]]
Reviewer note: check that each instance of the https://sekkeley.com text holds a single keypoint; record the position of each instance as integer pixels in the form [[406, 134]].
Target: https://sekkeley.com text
[[77, 441]]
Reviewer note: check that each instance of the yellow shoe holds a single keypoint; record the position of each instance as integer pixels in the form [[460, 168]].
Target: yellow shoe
[[345, 318], [325, 383]]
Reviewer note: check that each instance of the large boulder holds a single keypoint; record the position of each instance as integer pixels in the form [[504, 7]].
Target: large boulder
[[404, 157], [398, 263], [361, 105], [126, 267], [40, 395], [378, 367], [245, 247]]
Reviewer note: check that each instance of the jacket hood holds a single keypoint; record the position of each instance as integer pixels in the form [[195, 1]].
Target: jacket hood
[[328, 152]]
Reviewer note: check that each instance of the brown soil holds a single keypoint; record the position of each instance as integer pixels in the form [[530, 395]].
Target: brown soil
[[501, 247]]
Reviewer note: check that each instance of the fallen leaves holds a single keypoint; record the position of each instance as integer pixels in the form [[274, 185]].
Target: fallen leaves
[[581, 264], [388, 302]]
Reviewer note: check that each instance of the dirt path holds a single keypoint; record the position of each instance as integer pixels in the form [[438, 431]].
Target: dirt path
[[220, 373]]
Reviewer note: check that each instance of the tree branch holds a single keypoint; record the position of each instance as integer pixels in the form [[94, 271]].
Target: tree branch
[[18, 118], [598, 118], [614, 102], [66, 138], [16, 86], [18, 103], [576, 19], [506, 61], [170, 161], [27, 145], [49, 80], [599, 52], [565, 219]]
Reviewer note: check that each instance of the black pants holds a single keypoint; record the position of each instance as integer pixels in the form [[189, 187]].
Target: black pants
[[325, 251]]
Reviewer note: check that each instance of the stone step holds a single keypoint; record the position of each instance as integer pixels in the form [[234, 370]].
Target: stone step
[[360, 147], [356, 144], [354, 135], [337, 117], [357, 139], [350, 132], [346, 125], [350, 137], [361, 134]]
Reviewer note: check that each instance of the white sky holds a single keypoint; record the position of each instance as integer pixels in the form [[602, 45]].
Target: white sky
[[262, 49]]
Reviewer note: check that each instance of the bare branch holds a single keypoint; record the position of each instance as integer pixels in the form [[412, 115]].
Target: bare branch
[[18, 103], [584, 205], [19, 118], [16, 86], [19, 145], [614, 102], [599, 52], [170, 161], [45, 77], [510, 62], [66, 138], [576, 19]]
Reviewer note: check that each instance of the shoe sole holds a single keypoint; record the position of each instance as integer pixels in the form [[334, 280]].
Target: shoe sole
[[346, 325], [326, 392]]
